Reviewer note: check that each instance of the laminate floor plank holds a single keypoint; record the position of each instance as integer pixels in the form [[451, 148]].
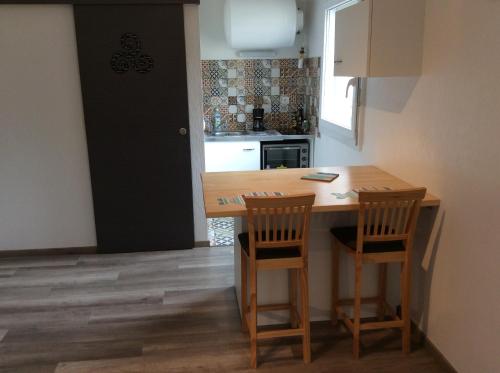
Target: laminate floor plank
[[23, 319], [21, 292], [185, 274], [137, 312], [206, 265], [38, 261], [173, 311], [57, 279], [68, 299], [37, 368], [157, 256], [7, 272], [47, 352], [226, 295]]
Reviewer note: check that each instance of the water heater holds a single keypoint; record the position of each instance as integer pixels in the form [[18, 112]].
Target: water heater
[[262, 24]]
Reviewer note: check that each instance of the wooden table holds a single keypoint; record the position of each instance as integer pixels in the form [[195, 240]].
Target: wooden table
[[328, 211], [233, 184]]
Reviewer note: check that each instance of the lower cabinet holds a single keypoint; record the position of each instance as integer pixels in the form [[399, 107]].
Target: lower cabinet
[[223, 156]]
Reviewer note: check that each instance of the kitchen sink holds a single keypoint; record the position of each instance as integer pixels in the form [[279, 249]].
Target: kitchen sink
[[229, 133], [243, 133]]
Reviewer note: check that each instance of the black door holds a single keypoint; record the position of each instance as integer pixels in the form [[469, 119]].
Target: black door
[[134, 85]]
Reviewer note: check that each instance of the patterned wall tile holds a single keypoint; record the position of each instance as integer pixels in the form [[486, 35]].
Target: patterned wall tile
[[236, 87], [250, 99], [249, 64]]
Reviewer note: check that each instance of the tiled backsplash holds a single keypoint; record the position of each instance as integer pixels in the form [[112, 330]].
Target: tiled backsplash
[[236, 87], [312, 82]]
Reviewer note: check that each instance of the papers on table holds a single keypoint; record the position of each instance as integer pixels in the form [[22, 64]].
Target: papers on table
[[238, 200], [354, 193]]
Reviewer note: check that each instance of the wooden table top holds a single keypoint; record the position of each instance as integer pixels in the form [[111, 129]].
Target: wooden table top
[[230, 185]]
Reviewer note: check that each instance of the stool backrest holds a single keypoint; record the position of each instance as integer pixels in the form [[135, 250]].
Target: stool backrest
[[279, 221], [388, 215]]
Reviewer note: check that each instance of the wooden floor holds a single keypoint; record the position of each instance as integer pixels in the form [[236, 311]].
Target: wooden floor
[[157, 312]]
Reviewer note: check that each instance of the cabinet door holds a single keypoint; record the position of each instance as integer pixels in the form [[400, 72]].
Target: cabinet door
[[352, 39], [397, 31], [232, 156]]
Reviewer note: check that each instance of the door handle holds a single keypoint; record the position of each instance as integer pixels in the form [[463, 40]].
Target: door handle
[[283, 148], [182, 131], [249, 150], [353, 82]]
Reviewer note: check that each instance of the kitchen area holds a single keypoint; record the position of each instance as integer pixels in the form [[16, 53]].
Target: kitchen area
[[251, 150], [260, 95]]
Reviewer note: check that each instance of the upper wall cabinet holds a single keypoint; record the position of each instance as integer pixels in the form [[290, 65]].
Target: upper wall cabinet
[[376, 38]]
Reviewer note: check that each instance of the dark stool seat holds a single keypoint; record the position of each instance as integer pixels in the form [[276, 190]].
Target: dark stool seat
[[348, 236], [289, 252]]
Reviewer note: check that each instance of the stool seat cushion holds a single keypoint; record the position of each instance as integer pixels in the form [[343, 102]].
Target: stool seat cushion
[[289, 252], [348, 236]]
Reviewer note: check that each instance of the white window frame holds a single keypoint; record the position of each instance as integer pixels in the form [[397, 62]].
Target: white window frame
[[341, 134]]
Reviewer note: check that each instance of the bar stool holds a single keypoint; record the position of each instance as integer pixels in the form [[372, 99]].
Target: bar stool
[[384, 234], [277, 238]]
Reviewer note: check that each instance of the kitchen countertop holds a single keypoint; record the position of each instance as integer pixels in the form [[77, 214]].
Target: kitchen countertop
[[288, 181], [271, 135]]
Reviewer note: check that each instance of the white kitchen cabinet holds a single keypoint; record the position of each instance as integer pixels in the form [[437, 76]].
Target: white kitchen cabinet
[[232, 156], [377, 38]]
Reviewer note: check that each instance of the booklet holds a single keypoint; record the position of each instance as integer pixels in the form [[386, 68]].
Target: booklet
[[321, 176]]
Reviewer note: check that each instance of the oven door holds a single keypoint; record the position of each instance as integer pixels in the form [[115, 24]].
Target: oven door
[[281, 156]]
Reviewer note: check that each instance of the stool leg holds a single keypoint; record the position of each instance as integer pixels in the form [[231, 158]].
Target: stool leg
[[335, 281], [293, 297], [306, 339], [382, 285], [244, 294], [357, 307], [405, 305], [253, 315]]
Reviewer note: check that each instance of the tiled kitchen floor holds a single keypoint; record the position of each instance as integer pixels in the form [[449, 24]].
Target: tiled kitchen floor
[[221, 231]]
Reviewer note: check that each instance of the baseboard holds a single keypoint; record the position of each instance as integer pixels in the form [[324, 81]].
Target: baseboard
[[202, 244], [67, 250], [52, 251], [438, 355]]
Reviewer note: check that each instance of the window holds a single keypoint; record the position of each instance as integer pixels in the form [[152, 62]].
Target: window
[[339, 94]]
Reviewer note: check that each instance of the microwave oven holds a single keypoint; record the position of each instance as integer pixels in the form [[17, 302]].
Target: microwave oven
[[284, 154]]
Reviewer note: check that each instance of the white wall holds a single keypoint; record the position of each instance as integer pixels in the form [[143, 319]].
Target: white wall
[[191, 26], [442, 130], [45, 193], [213, 40]]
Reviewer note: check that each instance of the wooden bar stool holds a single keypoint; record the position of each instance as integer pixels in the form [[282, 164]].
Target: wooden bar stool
[[385, 232], [277, 238]]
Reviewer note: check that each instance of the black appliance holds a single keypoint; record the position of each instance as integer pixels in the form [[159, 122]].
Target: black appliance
[[258, 120], [284, 154]]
